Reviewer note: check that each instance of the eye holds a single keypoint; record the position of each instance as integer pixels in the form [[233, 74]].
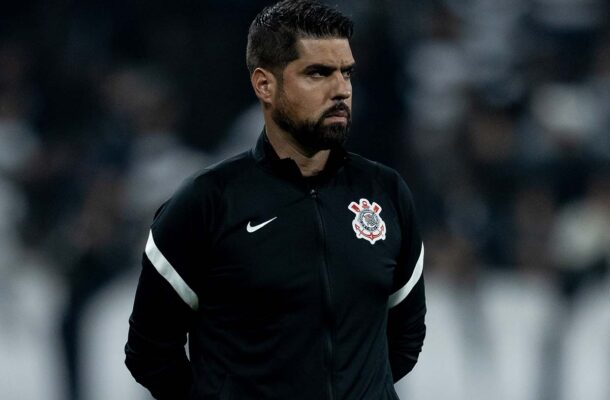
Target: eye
[[318, 73], [348, 74]]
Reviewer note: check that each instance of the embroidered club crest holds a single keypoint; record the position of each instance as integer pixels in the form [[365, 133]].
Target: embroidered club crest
[[367, 223]]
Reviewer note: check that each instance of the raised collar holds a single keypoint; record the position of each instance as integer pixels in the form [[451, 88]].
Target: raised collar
[[265, 155]]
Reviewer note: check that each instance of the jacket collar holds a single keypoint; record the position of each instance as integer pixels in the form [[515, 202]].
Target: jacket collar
[[265, 155]]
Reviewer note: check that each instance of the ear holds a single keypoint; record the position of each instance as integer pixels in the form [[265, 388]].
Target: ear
[[264, 84]]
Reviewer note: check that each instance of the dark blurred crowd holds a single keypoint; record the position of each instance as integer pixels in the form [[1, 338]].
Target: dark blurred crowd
[[496, 112], [508, 127]]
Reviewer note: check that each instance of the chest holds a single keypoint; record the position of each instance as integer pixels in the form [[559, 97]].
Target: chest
[[285, 243]]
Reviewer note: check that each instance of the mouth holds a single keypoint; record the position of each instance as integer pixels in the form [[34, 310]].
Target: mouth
[[336, 119], [339, 113]]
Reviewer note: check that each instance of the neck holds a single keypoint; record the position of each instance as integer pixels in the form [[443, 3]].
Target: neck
[[309, 163]]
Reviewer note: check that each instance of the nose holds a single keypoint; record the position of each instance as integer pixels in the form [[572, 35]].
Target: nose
[[342, 89]]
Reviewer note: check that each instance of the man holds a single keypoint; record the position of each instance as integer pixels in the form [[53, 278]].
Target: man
[[295, 269]]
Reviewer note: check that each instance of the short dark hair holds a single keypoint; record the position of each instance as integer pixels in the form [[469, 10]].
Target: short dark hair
[[274, 32]]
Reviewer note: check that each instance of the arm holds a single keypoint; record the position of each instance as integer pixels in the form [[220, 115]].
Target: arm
[[158, 325], [166, 300], [407, 304], [406, 332]]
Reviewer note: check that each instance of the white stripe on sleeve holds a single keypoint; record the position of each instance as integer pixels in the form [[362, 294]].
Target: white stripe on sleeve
[[401, 294], [168, 272]]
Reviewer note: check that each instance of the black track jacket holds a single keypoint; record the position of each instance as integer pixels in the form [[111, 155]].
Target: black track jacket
[[289, 288]]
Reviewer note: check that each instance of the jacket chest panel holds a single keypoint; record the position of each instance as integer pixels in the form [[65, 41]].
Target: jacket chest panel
[[275, 249], [357, 266], [269, 249]]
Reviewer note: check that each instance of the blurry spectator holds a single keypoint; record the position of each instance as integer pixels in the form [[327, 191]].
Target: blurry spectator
[[133, 166], [599, 144], [566, 35], [28, 296], [436, 103], [18, 140], [569, 116], [492, 41], [534, 215], [18, 144], [144, 99], [96, 249], [438, 98], [491, 152], [581, 237]]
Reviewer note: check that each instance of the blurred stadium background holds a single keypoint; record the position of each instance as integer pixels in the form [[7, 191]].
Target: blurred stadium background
[[497, 112]]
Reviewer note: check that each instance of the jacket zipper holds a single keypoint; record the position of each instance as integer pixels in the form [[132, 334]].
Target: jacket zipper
[[327, 298]]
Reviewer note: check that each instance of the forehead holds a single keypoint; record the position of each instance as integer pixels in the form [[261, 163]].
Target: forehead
[[328, 51]]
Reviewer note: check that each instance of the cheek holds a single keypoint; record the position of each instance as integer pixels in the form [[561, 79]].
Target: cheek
[[304, 101]]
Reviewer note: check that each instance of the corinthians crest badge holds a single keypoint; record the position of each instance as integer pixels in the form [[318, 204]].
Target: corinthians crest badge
[[367, 223]]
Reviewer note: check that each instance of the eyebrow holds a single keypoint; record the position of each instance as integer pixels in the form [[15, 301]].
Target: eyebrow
[[328, 68], [349, 68]]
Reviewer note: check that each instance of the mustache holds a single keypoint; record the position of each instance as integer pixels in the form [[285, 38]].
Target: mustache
[[338, 108]]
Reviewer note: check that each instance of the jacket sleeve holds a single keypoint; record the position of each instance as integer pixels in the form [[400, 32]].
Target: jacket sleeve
[[166, 298], [407, 304]]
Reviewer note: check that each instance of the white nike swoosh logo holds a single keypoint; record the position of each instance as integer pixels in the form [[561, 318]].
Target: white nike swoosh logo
[[255, 228]]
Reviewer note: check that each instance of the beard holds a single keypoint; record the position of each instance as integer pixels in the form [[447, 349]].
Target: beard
[[314, 135]]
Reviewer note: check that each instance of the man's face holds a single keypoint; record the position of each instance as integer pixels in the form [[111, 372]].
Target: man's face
[[314, 98]]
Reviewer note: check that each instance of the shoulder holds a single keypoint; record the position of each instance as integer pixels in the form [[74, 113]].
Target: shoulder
[[223, 171], [205, 187], [199, 197], [212, 180]]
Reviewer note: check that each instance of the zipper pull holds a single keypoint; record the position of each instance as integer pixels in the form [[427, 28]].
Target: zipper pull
[[313, 193]]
